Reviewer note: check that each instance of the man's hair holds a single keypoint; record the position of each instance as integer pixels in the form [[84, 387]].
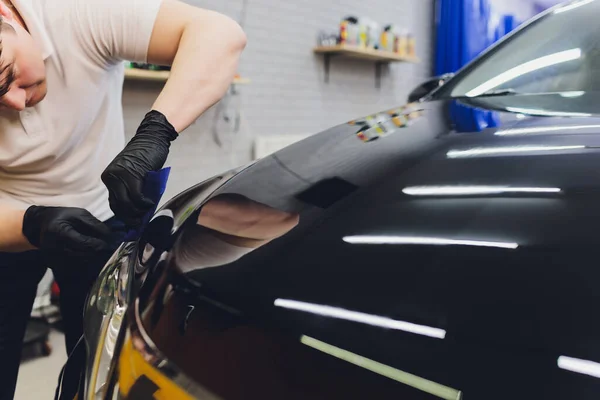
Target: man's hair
[[2, 25]]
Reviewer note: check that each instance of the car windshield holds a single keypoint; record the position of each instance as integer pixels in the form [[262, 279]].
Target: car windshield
[[557, 53]]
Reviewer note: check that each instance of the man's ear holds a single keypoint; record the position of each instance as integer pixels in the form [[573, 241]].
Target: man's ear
[[6, 13]]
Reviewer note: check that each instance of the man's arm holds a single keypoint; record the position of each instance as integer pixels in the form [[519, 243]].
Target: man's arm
[[51, 229], [11, 230], [203, 48]]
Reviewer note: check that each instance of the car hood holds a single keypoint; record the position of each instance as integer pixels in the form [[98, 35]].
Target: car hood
[[469, 259]]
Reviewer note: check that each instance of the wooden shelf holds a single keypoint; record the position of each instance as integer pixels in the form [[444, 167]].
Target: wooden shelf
[[241, 81], [146, 75], [380, 57], [365, 54], [162, 76]]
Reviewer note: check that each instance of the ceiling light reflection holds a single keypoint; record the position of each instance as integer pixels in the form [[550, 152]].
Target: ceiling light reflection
[[540, 129], [487, 151], [585, 367], [409, 240], [368, 319], [546, 113], [572, 6], [533, 65], [572, 94], [425, 385], [472, 190]]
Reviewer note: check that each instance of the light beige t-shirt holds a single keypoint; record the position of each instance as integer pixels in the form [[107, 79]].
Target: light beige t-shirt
[[54, 153]]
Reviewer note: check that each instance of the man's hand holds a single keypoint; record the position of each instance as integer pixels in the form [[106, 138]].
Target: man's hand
[[64, 229], [124, 177]]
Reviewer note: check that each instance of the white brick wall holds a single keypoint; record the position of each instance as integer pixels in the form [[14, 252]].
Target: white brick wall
[[288, 93]]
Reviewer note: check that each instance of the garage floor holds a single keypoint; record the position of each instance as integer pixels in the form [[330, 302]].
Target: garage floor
[[38, 375]]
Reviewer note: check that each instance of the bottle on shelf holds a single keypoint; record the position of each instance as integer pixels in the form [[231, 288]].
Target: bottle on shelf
[[349, 31], [344, 32], [411, 44], [402, 43], [386, 39]]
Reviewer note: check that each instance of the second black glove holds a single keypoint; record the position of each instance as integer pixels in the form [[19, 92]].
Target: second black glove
[[64, 230], [124, 176]]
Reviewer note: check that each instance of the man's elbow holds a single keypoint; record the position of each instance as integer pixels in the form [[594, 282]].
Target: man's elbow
[[229, 33], [237, 39]]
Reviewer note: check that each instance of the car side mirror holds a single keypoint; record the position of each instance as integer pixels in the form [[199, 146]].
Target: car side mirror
[[428, 87]]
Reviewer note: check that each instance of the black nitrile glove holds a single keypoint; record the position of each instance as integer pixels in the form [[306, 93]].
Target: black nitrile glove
[[124, 177], [64, 230]]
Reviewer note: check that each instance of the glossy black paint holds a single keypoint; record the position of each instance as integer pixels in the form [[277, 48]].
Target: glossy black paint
[[513, 287]]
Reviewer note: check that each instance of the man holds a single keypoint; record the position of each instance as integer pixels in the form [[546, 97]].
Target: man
[[68, 189]]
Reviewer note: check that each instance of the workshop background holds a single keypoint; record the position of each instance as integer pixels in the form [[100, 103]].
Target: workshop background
[[283, 94]]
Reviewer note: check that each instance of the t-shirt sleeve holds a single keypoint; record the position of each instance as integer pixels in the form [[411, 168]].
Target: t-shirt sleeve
[[111, 31]]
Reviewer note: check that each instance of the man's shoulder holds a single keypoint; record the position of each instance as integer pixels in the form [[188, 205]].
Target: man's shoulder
[[54, 15], [52, 6]]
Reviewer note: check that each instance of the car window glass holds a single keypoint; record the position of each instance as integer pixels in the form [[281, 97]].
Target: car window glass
[[559, 53]]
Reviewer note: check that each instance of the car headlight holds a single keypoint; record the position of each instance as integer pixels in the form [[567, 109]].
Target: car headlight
[[122, 277], [104, 315]]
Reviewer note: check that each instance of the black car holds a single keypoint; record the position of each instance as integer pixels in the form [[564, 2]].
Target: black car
[[392, 257]]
